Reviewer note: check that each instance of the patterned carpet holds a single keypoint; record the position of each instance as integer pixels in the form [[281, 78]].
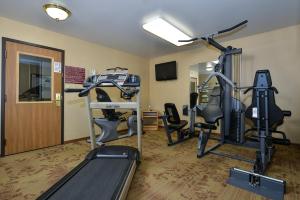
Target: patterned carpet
[[165, 172]]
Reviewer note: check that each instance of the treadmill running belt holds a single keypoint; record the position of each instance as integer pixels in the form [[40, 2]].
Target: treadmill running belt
[[99, 179]]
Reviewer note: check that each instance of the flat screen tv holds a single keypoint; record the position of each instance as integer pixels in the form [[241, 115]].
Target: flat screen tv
[[166, 71]]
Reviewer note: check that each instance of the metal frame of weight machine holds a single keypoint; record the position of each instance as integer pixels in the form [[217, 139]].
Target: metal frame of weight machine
[[254, 182]]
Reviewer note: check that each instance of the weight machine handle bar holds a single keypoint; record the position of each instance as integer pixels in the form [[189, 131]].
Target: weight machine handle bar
[[246, 91], [217, 33], [252, 87], [233, 27], [73, 90], [217, 74], [86, 91]]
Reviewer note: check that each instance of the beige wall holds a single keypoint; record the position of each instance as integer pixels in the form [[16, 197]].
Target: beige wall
[[277, 51], [78, 53]]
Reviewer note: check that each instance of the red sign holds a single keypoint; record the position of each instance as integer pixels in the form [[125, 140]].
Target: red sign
[[75, 75]]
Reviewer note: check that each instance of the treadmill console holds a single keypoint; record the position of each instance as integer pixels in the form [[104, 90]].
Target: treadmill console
[[119, 75]]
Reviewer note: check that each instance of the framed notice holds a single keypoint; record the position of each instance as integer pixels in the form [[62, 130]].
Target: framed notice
[[74, 75]]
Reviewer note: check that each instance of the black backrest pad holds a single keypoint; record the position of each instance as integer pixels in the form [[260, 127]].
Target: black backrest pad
[[262, 78], [172, 113], [213, 112], [102, 96], [193, 99], [263, 85]]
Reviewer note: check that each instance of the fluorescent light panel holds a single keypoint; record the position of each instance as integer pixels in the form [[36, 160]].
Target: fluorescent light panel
[[166, 31]]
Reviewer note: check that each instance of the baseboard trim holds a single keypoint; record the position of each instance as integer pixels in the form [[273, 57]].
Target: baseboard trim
[[75, 140]]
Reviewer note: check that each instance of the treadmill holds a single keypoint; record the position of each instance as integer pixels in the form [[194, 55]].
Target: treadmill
[[107, 171]]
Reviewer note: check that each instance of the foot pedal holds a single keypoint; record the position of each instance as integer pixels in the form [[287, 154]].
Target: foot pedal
[[263, 185]]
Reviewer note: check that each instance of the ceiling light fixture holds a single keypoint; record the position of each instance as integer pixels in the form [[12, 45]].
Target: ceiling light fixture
[[166, 31], [209, 65], [209, 69], [57, 10]]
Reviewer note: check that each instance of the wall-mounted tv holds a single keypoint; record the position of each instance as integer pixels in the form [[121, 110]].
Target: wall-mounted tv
[[166, 71]]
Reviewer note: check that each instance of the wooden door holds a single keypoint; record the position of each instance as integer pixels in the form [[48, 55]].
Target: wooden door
[[33, 94]]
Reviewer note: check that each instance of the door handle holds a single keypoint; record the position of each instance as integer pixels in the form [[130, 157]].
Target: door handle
[[57, 99]]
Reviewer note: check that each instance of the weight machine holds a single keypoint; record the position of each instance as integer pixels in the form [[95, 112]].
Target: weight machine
[[230, 110]]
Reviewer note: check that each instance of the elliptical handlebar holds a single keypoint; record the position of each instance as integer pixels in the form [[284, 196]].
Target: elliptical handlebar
[[86, 91], [116, 68]]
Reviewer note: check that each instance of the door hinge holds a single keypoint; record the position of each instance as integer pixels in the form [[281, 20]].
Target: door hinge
[[5, 98], [4, 142]]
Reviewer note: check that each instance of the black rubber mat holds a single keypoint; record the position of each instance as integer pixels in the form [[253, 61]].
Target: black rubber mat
[[99, 179]]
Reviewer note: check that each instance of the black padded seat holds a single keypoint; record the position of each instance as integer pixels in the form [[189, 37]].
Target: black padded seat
[[193, 99], [275, 114], [205, 126], [173, 123], [213, 112], [178, 126], [109, 114]]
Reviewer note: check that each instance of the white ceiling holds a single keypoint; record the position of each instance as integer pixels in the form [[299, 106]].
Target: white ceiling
[[118, 23]]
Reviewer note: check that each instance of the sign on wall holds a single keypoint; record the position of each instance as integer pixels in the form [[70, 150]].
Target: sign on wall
[[75, 75]]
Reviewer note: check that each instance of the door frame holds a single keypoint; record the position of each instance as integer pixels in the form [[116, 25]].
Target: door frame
[[3, 77]]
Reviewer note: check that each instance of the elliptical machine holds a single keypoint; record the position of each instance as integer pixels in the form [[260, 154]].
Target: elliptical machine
[[111, 120]]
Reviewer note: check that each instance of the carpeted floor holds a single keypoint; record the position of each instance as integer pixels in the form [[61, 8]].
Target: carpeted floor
[[165, 172]]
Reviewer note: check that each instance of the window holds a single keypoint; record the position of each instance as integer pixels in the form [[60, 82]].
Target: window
[[34, 78]]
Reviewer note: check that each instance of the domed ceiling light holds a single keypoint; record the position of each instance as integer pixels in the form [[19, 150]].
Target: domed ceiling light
[[57, 10]]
